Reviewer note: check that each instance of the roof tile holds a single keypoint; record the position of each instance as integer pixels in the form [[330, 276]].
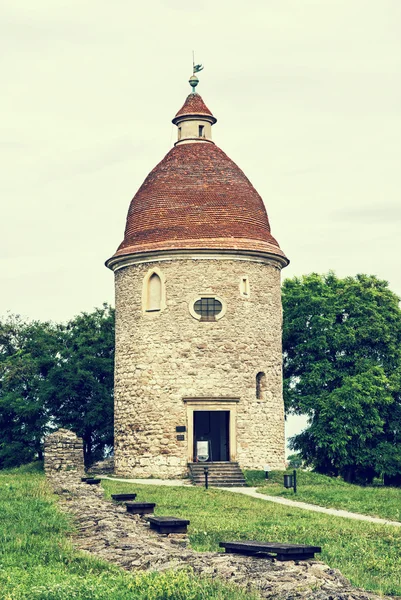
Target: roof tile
[[193, 105], [197, 198]]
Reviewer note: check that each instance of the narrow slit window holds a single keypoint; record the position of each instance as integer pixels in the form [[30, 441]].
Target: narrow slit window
[[244, 287], [201, 131], [260, 385], [179, 133]]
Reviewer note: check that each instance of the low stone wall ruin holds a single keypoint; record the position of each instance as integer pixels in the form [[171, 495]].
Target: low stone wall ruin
[[108, 532], [64, 454], [102, 467]]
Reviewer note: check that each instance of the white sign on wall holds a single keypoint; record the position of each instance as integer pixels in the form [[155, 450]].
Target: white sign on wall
[[202, 451]]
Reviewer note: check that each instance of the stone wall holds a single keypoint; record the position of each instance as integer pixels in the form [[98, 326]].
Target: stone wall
[[64, 454], [108, 532], [164, 357], [102, 467]]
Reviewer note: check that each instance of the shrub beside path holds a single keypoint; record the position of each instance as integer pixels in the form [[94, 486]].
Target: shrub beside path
[[253, 492]]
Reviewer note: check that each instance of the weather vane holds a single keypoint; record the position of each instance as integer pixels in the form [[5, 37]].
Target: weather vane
[[193, 80]]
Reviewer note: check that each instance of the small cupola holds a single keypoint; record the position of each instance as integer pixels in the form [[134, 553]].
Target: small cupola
[[194, 120], [195, 199]]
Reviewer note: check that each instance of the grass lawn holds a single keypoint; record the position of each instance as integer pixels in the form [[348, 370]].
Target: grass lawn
[[368, 554], [377, 501], [37, 562]]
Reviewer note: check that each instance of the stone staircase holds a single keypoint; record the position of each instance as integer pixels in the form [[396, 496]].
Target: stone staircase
[[221, 474]]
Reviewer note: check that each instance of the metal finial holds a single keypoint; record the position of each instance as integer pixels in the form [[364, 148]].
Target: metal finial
[[193, 80]]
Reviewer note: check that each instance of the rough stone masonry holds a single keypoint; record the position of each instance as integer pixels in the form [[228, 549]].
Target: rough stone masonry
[[165, 357], [197, 234], [64, 454], [107, 531]]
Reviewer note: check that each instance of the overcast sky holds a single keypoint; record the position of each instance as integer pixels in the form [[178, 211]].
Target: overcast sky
[[307, 94]]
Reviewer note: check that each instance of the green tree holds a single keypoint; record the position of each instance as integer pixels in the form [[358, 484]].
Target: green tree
[[56, 376], [27, 353], [294, 461], [342, 358], [79, 388]]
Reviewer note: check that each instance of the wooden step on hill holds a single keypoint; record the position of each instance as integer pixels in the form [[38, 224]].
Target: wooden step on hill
[[221, 474]]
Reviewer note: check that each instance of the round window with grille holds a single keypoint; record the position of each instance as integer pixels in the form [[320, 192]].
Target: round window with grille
[[207, 308]]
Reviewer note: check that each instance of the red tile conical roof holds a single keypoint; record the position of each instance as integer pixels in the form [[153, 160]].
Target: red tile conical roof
[[197, 198], [194, 105]]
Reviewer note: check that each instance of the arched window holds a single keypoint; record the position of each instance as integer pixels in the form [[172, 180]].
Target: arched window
[[260, 385], [153, 295], [154, 292]]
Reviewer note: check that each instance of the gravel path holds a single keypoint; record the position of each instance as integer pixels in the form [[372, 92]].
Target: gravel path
[[251, 491], [314, 507]]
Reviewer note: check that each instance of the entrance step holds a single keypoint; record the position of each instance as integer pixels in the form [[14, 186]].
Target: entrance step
[[221, 474]]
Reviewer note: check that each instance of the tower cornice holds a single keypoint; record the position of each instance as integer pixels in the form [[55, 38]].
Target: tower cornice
[[115, 263]]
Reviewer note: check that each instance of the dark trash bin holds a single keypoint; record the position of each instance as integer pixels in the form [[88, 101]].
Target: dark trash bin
[[288, 481]]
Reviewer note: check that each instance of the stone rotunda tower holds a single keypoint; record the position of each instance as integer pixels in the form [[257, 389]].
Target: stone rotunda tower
[[198, 314]]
